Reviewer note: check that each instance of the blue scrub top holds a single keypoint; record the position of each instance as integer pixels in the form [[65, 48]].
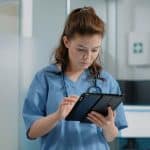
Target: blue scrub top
[[44, 96]]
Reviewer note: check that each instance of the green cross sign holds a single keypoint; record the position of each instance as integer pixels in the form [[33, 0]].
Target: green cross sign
[[138, 47]]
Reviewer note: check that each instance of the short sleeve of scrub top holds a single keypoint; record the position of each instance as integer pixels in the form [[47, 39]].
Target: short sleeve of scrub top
[[35, 101], [120, 120], [44, 96]]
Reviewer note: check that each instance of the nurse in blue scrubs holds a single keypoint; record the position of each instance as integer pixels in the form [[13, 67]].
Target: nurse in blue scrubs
[[55, 90]]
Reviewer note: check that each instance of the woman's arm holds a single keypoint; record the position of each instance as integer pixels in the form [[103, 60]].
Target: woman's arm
[[43, 125], [46, 124], [110, 132]]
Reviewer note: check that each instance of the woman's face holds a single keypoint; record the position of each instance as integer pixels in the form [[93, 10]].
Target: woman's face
[[83, 50]]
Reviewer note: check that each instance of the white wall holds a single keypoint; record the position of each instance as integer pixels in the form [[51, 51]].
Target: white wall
[[9, 106], [132, 16]]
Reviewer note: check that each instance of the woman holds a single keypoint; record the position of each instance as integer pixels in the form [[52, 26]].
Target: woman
[[56, 88]]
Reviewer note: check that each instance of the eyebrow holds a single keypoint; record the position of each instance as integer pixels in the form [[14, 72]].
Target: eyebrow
[[87, 47]]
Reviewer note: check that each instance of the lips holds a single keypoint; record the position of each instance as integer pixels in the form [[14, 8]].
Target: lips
[[85, 63]]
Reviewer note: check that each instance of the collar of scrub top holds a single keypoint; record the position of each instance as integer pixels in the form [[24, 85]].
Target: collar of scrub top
[[92, 89]]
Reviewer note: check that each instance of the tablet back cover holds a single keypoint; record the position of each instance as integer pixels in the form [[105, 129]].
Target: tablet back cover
[[83, 106]]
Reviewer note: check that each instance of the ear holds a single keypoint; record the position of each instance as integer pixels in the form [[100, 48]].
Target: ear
[[66, 41]]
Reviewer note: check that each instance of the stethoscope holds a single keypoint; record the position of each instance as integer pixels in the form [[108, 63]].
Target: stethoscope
[[92, 89]]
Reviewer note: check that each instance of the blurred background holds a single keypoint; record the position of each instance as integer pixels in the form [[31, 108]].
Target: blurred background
[[30, 30]]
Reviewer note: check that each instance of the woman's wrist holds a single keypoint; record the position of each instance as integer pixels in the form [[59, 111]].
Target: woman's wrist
[[109, 126], [57, 115], [110, 132]]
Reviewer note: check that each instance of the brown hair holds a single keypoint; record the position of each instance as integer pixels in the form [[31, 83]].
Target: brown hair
[[82, 21]]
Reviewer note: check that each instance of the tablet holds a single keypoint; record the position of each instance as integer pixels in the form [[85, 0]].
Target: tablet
[[93, 102]]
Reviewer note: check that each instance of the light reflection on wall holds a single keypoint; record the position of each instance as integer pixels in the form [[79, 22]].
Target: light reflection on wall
[[26, 18]]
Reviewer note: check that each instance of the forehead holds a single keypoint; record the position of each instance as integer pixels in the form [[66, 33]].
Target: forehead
[[95, 39]]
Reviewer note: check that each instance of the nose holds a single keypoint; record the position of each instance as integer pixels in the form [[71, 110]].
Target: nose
[[87, 54]]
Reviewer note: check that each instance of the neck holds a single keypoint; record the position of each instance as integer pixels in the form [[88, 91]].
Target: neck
[[73, 73]]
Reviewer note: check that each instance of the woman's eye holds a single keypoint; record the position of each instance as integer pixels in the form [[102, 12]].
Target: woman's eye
[[85, 50], [95, 50], [81, 50]]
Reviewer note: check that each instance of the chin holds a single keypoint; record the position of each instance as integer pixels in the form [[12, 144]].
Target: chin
[[85, 66]]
